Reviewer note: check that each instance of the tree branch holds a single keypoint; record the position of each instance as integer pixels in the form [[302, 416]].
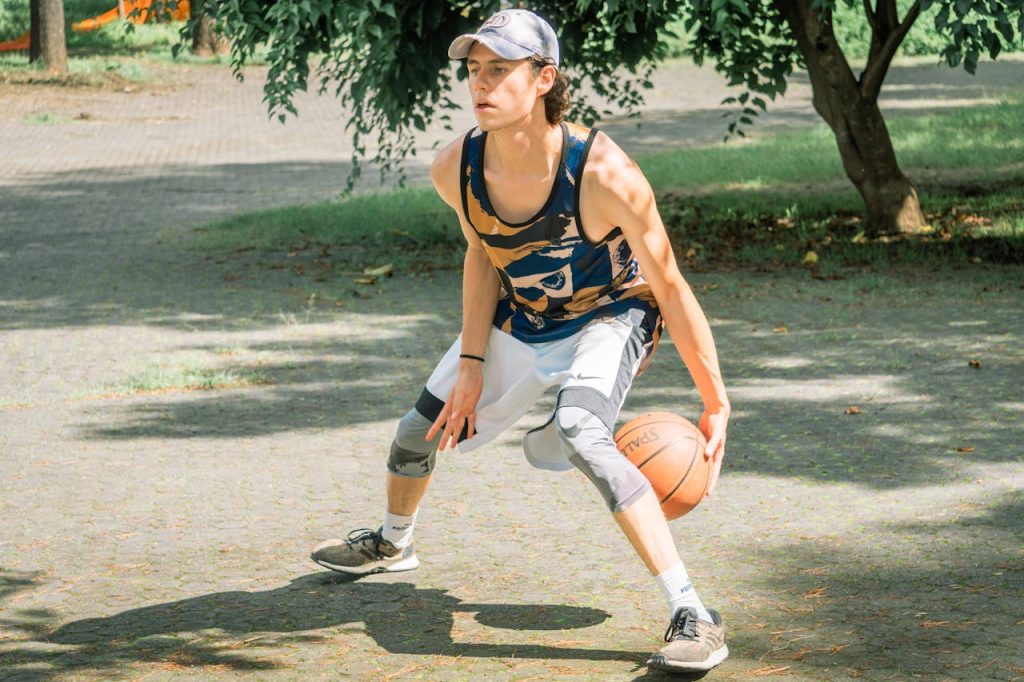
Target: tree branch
[[887, 16], [878, 63], [872, 17]]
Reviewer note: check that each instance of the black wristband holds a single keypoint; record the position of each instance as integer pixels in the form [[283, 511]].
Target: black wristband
[[469, 356]]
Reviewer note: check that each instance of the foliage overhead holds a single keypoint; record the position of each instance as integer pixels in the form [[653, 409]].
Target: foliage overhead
[[386, 60], [751, 44]]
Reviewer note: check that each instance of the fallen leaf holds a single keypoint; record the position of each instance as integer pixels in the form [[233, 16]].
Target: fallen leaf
[[816, 593], [770, 670], [858, 238], [852, 409], [366, 280], [966, 448], [976, 364], [810, 258], [382, 271], [691, 253], [780, 330]]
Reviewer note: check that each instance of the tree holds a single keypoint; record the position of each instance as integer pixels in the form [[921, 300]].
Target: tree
[[48, 42], [386, 62], [206, 39], [758, 44]]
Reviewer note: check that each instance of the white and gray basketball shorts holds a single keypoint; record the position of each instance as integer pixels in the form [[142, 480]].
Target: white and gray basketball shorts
[[593, 370]]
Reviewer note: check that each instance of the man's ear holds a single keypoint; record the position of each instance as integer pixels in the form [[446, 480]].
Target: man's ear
[[547, 79]]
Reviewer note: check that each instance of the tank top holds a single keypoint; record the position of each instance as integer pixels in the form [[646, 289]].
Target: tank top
[[554, 280]]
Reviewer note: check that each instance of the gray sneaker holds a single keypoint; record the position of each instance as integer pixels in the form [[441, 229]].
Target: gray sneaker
[[693, 645], [365, 551]]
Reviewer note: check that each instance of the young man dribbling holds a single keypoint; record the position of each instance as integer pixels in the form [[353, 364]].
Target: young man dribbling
[[568, 275]]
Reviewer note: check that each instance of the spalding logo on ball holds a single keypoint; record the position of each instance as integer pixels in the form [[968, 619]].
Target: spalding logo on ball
[[669, 451]]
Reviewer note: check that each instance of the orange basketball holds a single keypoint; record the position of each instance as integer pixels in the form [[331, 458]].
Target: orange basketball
[[669, 451]]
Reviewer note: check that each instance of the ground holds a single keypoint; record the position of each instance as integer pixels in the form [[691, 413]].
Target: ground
[[869, 522]]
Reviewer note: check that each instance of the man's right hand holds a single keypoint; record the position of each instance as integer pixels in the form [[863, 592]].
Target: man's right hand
[[460, 410]]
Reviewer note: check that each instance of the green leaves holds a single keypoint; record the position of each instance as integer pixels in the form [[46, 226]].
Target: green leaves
[[972, 28], [386, 60]]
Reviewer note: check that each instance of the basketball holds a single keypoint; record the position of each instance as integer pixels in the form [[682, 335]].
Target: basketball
[[669, 451]]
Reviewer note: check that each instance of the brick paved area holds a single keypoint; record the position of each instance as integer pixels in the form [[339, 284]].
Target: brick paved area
[[165, 535]]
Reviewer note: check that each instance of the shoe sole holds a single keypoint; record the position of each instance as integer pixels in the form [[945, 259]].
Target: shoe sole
[[659, 662], [406, 564]]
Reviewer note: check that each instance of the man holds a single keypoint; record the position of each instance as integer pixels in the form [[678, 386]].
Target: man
[[568, 273]]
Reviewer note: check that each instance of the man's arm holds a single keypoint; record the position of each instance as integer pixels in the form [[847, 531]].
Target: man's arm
[[479, 300], [616, 193]]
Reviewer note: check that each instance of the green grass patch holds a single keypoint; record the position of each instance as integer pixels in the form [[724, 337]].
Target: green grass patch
[[169, 378], [46, 118], [82, 71], [763, 203], [411, 228]]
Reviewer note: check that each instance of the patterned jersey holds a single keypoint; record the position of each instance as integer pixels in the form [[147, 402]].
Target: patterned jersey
[[554, 280]]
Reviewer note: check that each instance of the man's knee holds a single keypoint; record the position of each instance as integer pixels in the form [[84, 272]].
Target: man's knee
[[589, 445], [411, 454]]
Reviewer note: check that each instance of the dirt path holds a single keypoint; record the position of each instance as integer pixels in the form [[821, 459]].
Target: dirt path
[[165, 535]]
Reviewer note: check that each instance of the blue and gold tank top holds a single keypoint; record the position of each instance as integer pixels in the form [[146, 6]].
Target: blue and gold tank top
[[554, 280]]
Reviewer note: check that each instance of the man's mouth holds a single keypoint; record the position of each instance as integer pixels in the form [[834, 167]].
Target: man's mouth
[[482, 106]]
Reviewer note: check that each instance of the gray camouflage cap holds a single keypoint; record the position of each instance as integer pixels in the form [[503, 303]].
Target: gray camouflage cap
[[511, 34]]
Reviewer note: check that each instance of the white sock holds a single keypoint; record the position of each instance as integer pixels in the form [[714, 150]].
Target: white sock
[[397, 529], [678, 590]]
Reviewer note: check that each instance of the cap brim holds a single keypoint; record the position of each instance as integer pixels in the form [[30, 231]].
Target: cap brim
[[460, 47]]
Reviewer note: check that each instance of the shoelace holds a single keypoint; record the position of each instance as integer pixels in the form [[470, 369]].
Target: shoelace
[[684, 624], [361, 534]]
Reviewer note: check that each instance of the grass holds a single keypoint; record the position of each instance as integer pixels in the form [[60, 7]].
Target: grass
[[46, 118], [117, 53], [166, 378], [762, 204], [411, 227], [82, 71]]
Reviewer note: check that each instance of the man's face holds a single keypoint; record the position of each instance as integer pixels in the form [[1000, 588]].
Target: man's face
[[504, 92]]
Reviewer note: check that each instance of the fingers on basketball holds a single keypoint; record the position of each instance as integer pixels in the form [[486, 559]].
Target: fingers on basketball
[[669, 451]]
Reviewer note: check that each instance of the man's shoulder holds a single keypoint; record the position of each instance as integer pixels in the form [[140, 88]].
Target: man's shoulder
[[444, 170], [450, 155], [607, 163]]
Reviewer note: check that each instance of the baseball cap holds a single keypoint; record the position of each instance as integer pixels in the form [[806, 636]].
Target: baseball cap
[[511, 34]]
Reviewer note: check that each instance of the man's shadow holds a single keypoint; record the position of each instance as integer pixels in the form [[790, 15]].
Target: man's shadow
[[400, 617]]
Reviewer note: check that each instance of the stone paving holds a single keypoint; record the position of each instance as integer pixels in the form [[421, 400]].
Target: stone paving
[[164, 535]]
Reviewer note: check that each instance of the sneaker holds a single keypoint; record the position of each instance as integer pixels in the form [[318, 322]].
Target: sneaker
[[693, 645], [365, 551]]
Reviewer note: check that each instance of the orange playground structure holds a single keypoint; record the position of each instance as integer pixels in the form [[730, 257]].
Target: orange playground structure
[[136, 11]]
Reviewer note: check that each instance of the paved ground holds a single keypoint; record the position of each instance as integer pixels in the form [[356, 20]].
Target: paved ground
[[164, 535]]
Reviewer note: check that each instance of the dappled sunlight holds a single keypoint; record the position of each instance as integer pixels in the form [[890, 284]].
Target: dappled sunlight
[[880, 388], [831, 572]]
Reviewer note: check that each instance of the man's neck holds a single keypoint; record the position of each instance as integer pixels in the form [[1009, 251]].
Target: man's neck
[[531, 147]]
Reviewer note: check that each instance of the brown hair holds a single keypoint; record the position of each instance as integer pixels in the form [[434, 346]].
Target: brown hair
[[556, 101]]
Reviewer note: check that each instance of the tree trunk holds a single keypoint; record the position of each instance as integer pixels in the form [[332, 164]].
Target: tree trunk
[[870, 162], [53, 49], [120, 9], [205, 39], [863, 139], [34, 42]]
